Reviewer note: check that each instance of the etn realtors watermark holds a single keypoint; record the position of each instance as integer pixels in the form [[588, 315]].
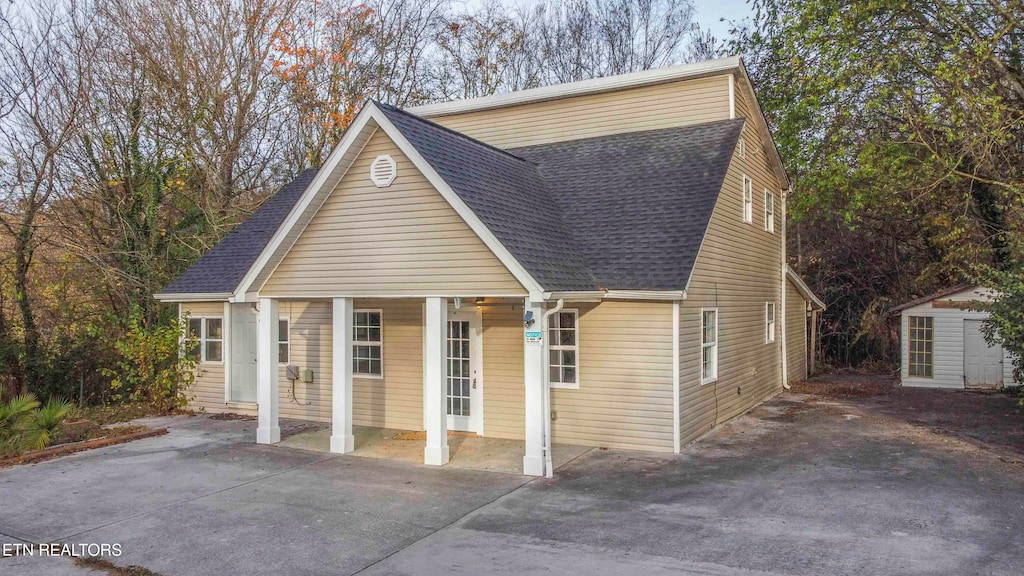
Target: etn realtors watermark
[[78, 550]]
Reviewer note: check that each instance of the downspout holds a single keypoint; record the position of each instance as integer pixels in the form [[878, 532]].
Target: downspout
[[546, 393], [782, 318]]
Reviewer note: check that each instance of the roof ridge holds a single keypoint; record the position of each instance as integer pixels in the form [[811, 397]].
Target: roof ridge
[[665, 130], [450, 131]]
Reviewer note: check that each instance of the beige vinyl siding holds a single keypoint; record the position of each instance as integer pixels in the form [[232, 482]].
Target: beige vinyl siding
[[737, 271], [401, 240], [646, 108], [394, 401], [796, 333], [207, 389], [504, 391], [624, 398]]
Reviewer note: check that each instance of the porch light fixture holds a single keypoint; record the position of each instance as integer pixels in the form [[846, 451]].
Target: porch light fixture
[[479, 301]]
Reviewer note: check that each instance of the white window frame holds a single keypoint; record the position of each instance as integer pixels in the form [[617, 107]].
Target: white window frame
[[379, 344], [770, 311], [703, 345], [748, 200], [287, 340], [742, 147], [925, 339], [552, 346], [769, 212], [203, 338]]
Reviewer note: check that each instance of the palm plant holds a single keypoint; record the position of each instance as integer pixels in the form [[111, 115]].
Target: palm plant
[[25, 424]]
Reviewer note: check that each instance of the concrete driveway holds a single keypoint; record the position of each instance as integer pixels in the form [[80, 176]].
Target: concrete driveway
[[803, 485]]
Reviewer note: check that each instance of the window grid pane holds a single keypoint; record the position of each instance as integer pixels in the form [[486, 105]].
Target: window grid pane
[[920, 344], [709, 345], [282, 341], [367, 343], [564, 339]]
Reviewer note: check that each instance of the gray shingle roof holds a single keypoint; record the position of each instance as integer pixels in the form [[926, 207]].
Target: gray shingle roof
[[222, 268], [509, 196], [639, 203], [622, 212]]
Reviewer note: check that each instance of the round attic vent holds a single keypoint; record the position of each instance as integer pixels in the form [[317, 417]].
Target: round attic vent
[[383, 171]]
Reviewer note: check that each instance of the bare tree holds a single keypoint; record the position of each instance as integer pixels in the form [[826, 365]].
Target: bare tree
[[482, 53], [44, 63]]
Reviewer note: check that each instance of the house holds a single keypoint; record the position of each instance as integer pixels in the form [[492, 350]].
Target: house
[[941, 343], [598, 263]]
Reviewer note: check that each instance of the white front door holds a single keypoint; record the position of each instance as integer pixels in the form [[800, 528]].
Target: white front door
[[242, 387], [983, 364], [465, 377]]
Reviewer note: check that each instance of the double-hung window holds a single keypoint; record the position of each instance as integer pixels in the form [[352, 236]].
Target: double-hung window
[[708, 345], [283, 349], [563, 360], [769, 212], [205, 339], [748, 200], [920, 342], [367, 343], [769, 322]]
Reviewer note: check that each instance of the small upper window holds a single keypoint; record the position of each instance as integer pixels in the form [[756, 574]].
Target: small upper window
[[748, 200], [709, 345], [283, 349], [563, 362], [769, 212], [769, 322], [920, 344], [367, 343], [742, 148], [205, 339]]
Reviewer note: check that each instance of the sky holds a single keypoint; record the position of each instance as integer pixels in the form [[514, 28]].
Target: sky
[[709, 12]]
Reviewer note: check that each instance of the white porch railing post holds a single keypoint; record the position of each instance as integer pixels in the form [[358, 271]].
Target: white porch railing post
[[435, 375], [342, 440], [533, 371], [268, 430]]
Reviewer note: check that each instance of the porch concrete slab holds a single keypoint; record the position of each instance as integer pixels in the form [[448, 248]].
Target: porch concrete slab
[[471, 452]]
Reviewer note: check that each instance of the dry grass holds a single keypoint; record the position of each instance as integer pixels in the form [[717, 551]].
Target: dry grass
[[102, 564]]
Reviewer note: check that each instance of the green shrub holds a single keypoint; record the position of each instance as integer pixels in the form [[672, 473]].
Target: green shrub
[[151, 367], [27, 425]]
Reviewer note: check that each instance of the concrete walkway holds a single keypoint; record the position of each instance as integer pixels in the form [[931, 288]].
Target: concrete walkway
[[799, 486]]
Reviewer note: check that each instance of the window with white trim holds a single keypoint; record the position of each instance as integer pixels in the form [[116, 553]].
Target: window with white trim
[[748, 199], [205, 339], [708, 345], [283, 348], [367, 345], [742, 147], [563, 349], [769, 322], [769, 212]]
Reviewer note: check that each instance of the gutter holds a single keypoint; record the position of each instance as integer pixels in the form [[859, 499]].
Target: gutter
[[546, 393], [195, 297], [785, 275]]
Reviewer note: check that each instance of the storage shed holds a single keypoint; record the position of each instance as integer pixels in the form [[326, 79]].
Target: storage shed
[[941, 343]]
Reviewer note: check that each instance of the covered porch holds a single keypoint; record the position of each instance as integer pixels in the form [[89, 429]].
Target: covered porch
[[401, 374], [465, 450]]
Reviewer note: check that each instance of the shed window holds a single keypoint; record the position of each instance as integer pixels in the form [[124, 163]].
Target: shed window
[[769, 322], [709, 345], [205, 339], [769, 212], [920, 342], [367, 343], [748, 200], [282, 341], [563, 350]]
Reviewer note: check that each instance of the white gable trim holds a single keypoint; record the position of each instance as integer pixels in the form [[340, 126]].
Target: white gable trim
[[362, 123]]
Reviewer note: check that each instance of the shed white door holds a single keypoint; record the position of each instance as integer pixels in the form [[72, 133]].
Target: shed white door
[[983, 364], [464, 386], [243, 354]]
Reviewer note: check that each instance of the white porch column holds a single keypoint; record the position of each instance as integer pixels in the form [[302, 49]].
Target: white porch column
[[342, 440], [435, 375], [533, 370], [268, 430]]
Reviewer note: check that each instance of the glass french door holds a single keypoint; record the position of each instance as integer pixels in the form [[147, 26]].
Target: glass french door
[[463, 381]]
